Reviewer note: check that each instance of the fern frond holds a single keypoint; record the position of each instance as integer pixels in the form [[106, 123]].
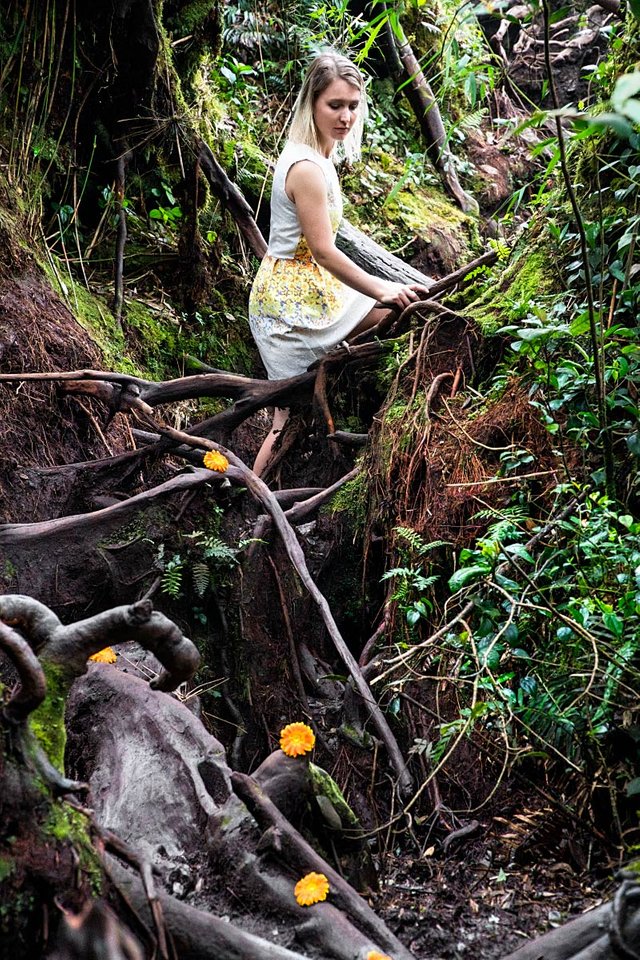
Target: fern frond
[[417, 543], [201, 577], [473, 120], [171, 582]]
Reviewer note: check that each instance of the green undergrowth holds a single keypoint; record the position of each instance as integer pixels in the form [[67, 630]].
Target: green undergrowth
[[152, 342]]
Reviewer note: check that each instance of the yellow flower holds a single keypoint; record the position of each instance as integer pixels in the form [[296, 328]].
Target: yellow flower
[[104, 656], [311, 889], [376, 955], [296, 739], [215, 460]]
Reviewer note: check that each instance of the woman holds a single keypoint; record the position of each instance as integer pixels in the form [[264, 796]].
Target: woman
[[308, 296]]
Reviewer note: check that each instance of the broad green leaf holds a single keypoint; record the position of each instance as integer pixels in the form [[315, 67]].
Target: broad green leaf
[[617, 123], [613, 623], [580, 325], [631, 109], [628, 85], [461, 578]]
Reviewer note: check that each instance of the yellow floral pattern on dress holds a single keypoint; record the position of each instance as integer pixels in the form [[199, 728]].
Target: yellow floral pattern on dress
[[299, 289]]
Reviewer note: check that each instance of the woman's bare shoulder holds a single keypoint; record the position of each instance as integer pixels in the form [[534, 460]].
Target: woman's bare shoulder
[[305, 175]]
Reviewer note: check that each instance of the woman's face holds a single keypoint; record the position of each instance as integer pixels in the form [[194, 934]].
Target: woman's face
[[335, 112]]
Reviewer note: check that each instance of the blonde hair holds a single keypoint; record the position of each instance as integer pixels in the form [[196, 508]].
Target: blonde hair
[[326, 68]]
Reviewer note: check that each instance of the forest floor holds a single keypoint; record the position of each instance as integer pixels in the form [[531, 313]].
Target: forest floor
[[466, 904]]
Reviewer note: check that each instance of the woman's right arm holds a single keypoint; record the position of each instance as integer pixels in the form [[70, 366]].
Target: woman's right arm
[[306, 187]]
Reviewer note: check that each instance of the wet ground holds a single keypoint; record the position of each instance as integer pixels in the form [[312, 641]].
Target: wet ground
[[473, 903]]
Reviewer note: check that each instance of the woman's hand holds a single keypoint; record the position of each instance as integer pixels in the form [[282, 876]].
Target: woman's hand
[[400, 294]]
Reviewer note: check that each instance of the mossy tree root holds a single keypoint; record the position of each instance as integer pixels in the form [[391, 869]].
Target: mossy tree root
[[69, 647], [288, 844]]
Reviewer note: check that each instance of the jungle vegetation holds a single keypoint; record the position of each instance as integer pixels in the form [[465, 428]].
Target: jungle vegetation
[[441, 575]]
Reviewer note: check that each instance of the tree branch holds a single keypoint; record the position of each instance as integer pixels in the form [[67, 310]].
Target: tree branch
[[71, 646]]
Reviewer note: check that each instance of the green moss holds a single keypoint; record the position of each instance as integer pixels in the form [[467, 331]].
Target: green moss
[[67, 825], [524, 281], [221, 339], [47, 721], [157, 341], [352, 499], [193, 15], [324, 785], [9, 571], [93, 316], [398, 215], [7, 867], [355, 735]]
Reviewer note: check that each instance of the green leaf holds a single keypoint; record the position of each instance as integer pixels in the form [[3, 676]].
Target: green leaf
[[614, 121], [634, 6], [461, 578], [580, 325], [631, 109], [628, 85], [613, 623], [228, 74], [632, 789]]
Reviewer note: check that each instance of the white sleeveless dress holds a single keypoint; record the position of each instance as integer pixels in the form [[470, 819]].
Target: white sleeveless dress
[[298, 310]]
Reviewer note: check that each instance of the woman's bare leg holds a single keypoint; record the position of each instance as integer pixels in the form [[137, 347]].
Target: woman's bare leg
[[374, 316], [280, 417]]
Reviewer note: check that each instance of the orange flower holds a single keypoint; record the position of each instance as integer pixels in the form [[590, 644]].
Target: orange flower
[[215, 460], [311, 889], [105, 656], [376, 955], [296, 739]]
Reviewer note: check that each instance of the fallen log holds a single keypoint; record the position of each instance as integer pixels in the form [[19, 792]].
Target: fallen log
[[373, 258], [609, 932]]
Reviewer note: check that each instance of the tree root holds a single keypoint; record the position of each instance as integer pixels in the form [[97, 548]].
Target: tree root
[[302, 507], [198, 935], [32, 687], [23, 533], [261, 492], [95, 934], [291, 847], [606, 933], [70, 646]]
